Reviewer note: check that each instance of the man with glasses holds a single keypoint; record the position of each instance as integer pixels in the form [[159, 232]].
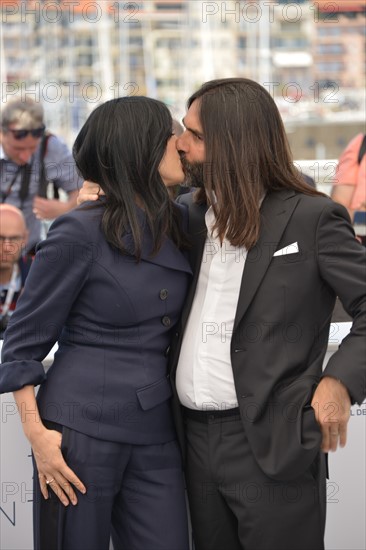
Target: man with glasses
[[30, 158], [14, 263]]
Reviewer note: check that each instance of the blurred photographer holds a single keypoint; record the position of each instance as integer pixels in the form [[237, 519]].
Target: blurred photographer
[[349, 186], [14, 264], [30, 159]]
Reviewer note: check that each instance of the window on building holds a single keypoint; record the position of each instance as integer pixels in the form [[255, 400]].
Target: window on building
[[355, 30], [242, 42], [290, 27], [85, 40], [159, 25], [130, 6], [330, 49], [331, 31], [135, 60], [85, 60], [135, 40], [10, 43], [326, 84], [350, 14], [332, 67], [329, 15], [172, 6], [170, 43], [168, 82], [293, 43]]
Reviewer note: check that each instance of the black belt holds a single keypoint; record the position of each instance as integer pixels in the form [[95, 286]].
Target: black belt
[[210, 415]]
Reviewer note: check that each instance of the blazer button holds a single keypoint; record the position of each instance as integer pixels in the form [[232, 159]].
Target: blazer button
[[167, 351], [163, 294], [166, 321]]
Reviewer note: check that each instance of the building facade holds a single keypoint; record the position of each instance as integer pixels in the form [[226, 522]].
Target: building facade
[[72, 55]]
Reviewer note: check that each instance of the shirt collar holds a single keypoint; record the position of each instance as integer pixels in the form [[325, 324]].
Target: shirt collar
[[3, 156], [210, 218]]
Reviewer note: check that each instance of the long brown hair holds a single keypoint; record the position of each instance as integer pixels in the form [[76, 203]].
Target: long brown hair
[[247, 155]]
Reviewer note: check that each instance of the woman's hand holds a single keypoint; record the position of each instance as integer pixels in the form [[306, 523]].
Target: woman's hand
[[90, 191], [53, 472], [52, 469]]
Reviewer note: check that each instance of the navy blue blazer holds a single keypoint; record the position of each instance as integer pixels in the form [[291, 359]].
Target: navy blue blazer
[[112, 319]]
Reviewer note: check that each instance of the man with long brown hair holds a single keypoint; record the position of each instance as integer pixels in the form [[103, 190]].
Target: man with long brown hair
[[256, 415]]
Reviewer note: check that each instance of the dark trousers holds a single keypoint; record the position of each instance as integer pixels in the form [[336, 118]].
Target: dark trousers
[[234, 505], [135, 494]]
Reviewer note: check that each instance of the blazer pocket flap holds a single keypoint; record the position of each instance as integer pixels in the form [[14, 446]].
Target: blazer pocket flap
[[154, 394]]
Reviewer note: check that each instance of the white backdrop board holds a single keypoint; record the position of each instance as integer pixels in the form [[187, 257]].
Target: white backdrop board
[[346, 491], [346, 498]]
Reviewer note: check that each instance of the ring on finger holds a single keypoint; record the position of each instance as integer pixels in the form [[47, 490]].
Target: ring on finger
[[48, 481]]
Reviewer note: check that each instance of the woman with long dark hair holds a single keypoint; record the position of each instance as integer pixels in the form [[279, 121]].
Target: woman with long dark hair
[[108, 285]]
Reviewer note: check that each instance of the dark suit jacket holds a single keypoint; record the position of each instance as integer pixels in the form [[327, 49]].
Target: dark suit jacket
[[112, 319], [282, 323]]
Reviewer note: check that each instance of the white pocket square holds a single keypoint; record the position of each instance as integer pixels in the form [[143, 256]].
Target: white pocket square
[[289, 249]]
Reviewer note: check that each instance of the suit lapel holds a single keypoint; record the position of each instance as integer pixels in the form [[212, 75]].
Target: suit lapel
[[276, 211], [168, 256], [197, 232]]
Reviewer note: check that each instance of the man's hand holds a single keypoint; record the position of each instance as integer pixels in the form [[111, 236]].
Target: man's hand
[[331, 403], [49, 209], [90, 191]]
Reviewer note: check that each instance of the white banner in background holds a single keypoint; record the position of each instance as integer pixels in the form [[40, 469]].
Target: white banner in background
[[346, 495]]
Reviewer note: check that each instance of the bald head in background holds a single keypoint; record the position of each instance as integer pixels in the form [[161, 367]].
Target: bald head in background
[[13, 239]]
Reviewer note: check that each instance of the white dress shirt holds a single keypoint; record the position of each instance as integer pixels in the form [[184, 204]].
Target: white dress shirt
[[204, 376]]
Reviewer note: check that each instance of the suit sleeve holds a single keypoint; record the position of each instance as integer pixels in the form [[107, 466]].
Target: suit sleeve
[[342, 264], [58, 273], [183, 211]]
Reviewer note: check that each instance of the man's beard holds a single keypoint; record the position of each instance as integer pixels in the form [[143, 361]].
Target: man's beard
[[194, 173]]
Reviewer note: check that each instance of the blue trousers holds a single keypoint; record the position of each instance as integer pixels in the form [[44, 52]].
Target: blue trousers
[[135, 494]]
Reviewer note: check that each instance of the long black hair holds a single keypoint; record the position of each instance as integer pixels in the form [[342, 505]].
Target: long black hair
[[120, 147]]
